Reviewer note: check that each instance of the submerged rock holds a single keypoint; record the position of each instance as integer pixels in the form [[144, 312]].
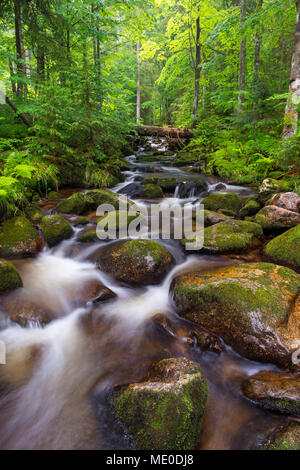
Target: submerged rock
[[18, 238], [55, 229], [279, 391], [229, 201], [250, 306], [9, 276], [285, 248], [285, 438], [165, 411], [276, 218], [25, 312], [139, 262]]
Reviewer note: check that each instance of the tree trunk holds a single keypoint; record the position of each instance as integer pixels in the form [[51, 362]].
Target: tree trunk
[[21, 65], [12, 73], [138, 88], [291, 113], [242, 69], [257, 44], [87, 96], [197, 69]]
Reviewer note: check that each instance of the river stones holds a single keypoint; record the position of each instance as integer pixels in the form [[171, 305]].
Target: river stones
[[81, 221], [230, 236], [251, 207], [289, 201], [88, 237], [285, 438], [139, 262], [25, 312], [89, 200], [74, 204], [116, 220], [276, 218], [151, 191], [53, 196], [271, 185], [279, 391], [230, 201], [165, 411], [92, 291], [285, 248], [55, 229], [252, 307], [212, 218], [18, 238], [167, 184], [34, 213], [9, 276]]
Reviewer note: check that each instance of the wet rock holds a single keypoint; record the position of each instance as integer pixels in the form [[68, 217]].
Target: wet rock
[[34, 213], [230, 201], [285, 248], [276, 218], [279, 391], [167, 184], [55, 229], [191, 188], [116, 220], [75, 204], [81, 221], [251, 207], [220, 187], [93, 291], [139, 262], [250, 306], [9, 276], [230, 236], [88, 237], [289, 201], [97, 197], [285, 438], [26, 313], [212, 218], [151, 191], [18, 238], [53, 196], [165, 411]]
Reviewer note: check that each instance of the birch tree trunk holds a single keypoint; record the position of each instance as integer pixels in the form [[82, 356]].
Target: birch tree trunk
[[138, 88], [242, 68], [197, 69], [291, 113]]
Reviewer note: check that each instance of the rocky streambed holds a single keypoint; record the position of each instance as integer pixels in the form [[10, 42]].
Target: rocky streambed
[[141, 343]]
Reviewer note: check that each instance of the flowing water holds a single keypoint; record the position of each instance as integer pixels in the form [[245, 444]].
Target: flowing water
[[53, 387]]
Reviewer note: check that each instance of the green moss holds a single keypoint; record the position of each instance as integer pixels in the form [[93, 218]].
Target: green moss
[[55, 229], [251, 207], [75, 204], [13, 131], [286, 439], [163, 417], [53, 196], [152, 191], [141, 248], [286, 247], [17, 237], [9, 276], [117, 219], [210, 217], [87, 237], [230, 201], [167, 184], [34, 213], [81, 221]]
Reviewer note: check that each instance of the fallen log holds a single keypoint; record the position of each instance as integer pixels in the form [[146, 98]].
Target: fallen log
[[168, 132]]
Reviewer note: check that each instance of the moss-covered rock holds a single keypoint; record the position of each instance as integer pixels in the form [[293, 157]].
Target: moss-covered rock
[[139, 262], [88, 237], [279, 391], [285, 248], [19, 238], [53, 196], [229, 201], [251, 207], [75, 204], [211, 218], [34, 213], [151, 191], [81, 221], [9, 276], [116, 220], [251, 306], [276, 218], [167, 184], [287, 438], [230, 236], [165, 411], [270, 185], [55, 229]]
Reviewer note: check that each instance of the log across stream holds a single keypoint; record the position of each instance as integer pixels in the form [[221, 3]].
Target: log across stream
[[59, 373]]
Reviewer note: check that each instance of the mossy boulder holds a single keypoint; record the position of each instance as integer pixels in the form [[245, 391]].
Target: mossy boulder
[[81, 221], [151, 191], [55, 229], [139, 262], [34, 213], [211, 217], [276, 218], [250, 306], [18, 238], [165, 411], [75, 204], [167, 184], [53, 196], [279, 391], [285, 248], [116, 220], [229, 201], [286, 438], [88, 237], [97, 197], [9, 276], [271, 185], [251, 207], [230, 236]]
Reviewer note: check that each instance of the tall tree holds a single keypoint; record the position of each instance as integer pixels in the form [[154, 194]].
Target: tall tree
[[138, 87], [291, 110], [21, 64], [243, 63], [197, 68]]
